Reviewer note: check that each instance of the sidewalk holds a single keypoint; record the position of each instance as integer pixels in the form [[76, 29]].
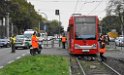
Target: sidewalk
[[115, 52]]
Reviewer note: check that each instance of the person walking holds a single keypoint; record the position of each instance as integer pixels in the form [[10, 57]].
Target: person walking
[[35, 45], [102, 48], [13, 40], [63, 41]]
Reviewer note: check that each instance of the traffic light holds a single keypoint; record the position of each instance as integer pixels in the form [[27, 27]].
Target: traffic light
[[56, 12]]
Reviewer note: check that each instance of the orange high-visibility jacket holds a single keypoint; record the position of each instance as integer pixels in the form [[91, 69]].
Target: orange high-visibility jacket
[[34, 41], [102, 50], [63, 39]]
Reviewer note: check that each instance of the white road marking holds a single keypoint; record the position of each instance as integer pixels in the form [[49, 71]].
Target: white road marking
[[11, 61], [18, 57], [1, 67]]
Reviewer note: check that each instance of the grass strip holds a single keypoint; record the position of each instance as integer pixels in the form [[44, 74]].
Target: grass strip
[[38, 65]]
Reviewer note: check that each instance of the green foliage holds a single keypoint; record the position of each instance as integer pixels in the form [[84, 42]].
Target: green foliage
[[110, 22], [54, 28], [38, 65], [26, 16], [23, 16]]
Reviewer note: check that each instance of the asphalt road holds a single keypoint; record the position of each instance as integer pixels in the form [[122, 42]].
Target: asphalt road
[[7, 57]]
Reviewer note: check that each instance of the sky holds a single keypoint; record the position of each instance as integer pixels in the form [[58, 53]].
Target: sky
[[67, 7]]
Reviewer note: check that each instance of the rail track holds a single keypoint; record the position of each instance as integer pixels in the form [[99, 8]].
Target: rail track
[[84, 67]]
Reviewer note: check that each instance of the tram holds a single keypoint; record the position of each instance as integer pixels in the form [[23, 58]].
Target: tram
[[82, 35]]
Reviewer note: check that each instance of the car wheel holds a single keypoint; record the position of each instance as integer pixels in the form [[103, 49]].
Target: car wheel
[[16, 47], [27, 47], [39, 51]]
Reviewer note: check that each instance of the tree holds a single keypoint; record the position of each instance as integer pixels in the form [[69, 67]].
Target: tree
[[110, 22], [53, 27], [25, 16], [115, 7]]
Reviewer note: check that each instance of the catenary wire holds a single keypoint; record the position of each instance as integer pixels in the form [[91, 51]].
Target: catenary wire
[[95, 7]]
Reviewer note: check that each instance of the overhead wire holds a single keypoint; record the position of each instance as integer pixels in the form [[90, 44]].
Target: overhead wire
[[95, 7], [63, 1], [76, 6]]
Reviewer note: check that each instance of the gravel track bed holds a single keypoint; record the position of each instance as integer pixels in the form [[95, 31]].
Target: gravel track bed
[[95, 68], [75, 69], [117, 64]]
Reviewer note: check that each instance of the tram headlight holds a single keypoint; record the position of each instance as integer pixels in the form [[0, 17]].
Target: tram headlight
[[76, 46], [94, 46]]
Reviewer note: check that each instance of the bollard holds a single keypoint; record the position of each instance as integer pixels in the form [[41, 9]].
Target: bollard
[[52, 43]]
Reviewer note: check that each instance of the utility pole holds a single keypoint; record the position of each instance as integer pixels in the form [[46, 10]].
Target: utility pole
[[7, 25], [12, 27]]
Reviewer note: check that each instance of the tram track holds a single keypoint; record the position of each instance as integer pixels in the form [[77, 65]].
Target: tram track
[[84, 67]]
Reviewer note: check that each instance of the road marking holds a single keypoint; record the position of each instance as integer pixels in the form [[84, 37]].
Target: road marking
[[18, 57], [23, 54], [1, 67], [10, 61]]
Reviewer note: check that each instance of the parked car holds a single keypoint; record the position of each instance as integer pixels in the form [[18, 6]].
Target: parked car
[[5, 42], [119, 41], [21, 42], [111, 39], [49, 37]]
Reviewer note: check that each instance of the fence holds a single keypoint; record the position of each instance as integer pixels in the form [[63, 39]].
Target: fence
[[112, 46], [54, 43]]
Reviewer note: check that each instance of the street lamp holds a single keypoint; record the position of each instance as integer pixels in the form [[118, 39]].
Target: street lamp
[[45, 27]]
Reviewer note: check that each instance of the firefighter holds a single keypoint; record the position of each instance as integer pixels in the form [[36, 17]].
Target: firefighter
[[63, 41], [35, 45], [13, 40], [102, 48]]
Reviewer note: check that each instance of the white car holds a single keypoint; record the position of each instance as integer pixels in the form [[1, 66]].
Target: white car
[[21, 42], [111, 39], [49, 37], [119, 41]]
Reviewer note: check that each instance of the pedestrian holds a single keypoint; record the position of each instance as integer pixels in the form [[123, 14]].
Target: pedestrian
[[102, 48], [35, 45], [13, 40], [63, 41], [107, 39]]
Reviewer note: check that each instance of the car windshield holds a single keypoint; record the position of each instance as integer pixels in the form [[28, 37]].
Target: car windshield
[[122, 39], [28, 35], [20, 36]]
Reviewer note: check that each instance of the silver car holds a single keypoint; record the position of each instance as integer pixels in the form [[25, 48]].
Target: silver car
[[119, 41]]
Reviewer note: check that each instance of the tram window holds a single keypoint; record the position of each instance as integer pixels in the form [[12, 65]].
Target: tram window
[[68, 29]]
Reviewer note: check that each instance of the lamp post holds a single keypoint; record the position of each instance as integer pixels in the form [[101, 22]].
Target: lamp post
[[58, 13], [45, 27], [122, 20]]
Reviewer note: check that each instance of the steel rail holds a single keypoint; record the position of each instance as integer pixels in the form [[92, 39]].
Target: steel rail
[[111, 68], [80, 66]]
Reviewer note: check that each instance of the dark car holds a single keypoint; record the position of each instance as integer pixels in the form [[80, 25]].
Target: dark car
[[4, 42]]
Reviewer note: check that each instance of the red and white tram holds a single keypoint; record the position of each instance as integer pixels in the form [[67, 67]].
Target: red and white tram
[[83, 34]]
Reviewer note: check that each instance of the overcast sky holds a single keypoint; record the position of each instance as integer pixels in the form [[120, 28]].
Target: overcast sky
[[67, 7]]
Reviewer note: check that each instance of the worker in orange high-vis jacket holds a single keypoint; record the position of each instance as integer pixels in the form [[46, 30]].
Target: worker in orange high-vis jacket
[[34, 42], [63, 41], [102, 48]]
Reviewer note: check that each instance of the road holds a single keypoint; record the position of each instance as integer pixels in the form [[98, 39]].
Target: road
[[7, 57]]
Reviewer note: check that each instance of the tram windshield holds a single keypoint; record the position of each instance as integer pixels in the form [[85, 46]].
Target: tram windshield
[[85, 28]]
